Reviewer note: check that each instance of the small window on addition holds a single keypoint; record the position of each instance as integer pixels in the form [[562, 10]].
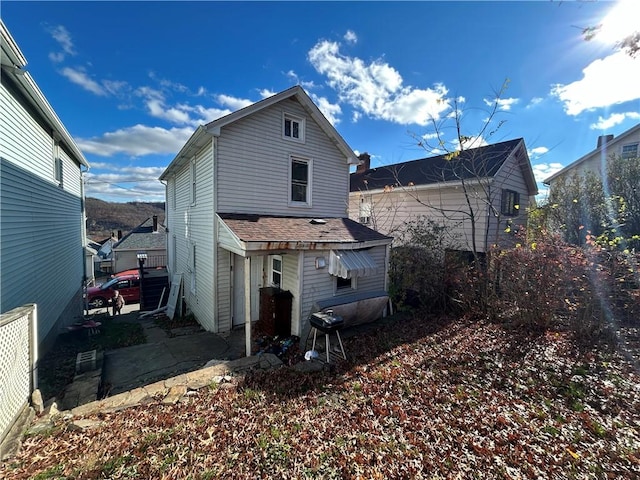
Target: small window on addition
[[510, 203], [344, 285]]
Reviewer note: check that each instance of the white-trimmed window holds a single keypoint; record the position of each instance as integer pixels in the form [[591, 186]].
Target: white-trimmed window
[[57, 171], [629, 151], [293, 127], [192, 175], [275, 270], [300, 181], [365, 210]]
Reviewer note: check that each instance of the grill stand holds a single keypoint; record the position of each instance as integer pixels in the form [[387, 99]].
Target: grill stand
[[327, 345]]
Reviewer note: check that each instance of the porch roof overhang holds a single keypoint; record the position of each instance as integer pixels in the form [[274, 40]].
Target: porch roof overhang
[[248, 235]]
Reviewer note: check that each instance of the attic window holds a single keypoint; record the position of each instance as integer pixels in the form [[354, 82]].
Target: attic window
[[293, 128]]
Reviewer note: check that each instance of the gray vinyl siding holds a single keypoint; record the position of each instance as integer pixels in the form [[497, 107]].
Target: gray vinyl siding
[[223, 284], [34, 211], [509, 177], [291, 283], [253, 166], [193, 224], [374, 283]]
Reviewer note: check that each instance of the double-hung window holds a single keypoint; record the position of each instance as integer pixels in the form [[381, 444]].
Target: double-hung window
[[300, 180], [510, 202], [293, 128], [275, 273], [629, 151], [365, 210]]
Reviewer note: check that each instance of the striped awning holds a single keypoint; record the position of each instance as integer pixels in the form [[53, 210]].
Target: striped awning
[[351, 263]]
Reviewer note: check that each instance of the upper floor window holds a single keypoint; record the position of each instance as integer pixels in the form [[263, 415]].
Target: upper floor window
[[300, 177], [365, 210], [293, 128], [629, 151], [510, 202]]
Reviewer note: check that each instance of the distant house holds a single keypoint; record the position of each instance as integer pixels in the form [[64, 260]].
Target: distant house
[[624, 146], [498, 181], [150, 238], [41, 198], [256, 204]]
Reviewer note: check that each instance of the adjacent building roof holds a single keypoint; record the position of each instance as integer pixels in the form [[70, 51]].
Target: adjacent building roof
[[602, 148], [144, 237], [203, 134], [275, 233], [482, 162]]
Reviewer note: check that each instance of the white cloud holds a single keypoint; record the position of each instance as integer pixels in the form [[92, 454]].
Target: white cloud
[[351, 37], [376, 88], [328, 109], [608, 81], [138, 140], [543, 171], [61, 35], [613, 120], [265, 93], [504, 104], [537, 152], [233, 102], [79, 77], [535, 101], [124, 183], [158, 109]]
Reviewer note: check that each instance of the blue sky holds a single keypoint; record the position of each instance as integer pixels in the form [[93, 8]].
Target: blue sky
[[131, 81]]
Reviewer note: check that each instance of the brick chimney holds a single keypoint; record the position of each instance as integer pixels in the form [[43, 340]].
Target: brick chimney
[[365, 162], [604, 139], [155, 223]]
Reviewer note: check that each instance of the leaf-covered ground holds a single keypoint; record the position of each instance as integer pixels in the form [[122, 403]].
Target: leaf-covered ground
[[418, 399]]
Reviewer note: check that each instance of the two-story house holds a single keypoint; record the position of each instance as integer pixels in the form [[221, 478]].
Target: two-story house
[[481, 195], [258, 199], [625, 145], [41, 198]]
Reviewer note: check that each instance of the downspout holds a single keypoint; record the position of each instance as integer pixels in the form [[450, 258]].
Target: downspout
[[84, 239], [214, 154]]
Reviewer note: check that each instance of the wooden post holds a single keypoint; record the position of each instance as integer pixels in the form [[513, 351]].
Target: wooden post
[[247, 304]]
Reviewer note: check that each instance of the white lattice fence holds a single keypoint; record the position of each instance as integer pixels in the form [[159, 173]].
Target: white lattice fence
[[18, 361]]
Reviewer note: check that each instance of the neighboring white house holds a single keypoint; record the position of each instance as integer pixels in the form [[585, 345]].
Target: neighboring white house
[[149, 238], [41, 198], [258, 198], [625, 145], [494, 183]]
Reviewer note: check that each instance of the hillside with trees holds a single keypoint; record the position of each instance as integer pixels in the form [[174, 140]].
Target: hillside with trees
[[104, 218]]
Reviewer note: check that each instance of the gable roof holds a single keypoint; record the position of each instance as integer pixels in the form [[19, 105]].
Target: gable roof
[[203, 133], [474, 163], [603, 148], [13, 63], [143, 237]]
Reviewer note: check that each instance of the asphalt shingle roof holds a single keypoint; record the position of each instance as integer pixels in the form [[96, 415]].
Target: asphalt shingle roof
[[479, 162], [261, 228], [143, 237]]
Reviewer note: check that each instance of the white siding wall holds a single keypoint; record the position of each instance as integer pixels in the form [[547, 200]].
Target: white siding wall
[[224, 290], [253, 166], [291, 282], [392, 210], [193, 224]]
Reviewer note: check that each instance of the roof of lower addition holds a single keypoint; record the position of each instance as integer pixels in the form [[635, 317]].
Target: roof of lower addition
[[302, 233]]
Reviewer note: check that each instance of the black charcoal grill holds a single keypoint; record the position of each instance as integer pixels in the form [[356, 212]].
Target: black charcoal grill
[[327, 323]]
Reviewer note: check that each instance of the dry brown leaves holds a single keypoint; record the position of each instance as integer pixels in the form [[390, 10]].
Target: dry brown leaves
[[417, 400]]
